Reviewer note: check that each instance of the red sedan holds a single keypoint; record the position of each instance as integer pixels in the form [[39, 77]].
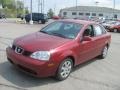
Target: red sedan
[[58, 47], [115, 27], [56, 17]]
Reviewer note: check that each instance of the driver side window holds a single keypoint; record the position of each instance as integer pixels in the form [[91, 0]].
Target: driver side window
[[89, 31]]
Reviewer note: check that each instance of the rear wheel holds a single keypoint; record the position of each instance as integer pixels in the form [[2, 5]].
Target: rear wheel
[[42, 21], [104, 53], [64, 69], [27, 21], [115, 30]]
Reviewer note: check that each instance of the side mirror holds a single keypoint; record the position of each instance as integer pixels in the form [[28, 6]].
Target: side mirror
[[87, 38]]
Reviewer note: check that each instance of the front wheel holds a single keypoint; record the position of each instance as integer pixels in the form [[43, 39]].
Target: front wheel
[[104, 52], [64, 69]]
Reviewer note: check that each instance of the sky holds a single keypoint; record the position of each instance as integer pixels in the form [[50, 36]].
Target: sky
[[56, 5]]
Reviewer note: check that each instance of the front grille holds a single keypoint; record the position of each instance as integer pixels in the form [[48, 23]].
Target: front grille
[[23, 52]]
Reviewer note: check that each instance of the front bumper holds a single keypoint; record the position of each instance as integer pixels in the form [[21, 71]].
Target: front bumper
[[33, 67]]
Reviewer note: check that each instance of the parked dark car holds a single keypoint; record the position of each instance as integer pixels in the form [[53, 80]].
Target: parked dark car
[[2, 16], [58, 47], [39, 17]]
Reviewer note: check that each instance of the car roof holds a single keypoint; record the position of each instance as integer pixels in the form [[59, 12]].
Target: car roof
[[84, 22]]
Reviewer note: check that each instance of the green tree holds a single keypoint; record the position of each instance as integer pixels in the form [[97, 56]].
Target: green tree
[[26, 10], [50, 13], [12, 8], [20, 5], [7, 3]]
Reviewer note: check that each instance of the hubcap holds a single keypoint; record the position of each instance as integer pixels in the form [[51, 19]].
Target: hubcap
[[105, 52], [66, 69]]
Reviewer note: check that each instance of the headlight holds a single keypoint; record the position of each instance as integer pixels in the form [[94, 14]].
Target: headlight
[[41, 55]]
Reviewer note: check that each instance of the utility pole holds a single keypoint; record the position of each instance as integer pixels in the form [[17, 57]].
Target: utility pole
[[23, 8], [76, 8], [114, 9], [31, 21], [43, 5], [54, 8], [16, 7], [39, 3]]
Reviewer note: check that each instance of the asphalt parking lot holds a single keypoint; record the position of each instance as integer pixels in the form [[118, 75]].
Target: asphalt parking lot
[[93, 75]]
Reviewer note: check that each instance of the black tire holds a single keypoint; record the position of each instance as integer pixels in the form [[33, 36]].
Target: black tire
[[43, 22], [27, 21], [59, 75], [118, 31], [104, 53], [115, 30]]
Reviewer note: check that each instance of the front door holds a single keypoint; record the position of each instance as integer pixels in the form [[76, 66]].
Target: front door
[[87, 48]]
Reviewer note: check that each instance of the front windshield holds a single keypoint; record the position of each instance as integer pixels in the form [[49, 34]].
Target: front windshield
[[63, 29]]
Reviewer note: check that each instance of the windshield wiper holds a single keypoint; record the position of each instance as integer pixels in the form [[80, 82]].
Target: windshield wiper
[[44, 32], [55, 34], [58, 34]]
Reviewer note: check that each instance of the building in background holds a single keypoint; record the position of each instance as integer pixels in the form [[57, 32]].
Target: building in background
[[87, 12]]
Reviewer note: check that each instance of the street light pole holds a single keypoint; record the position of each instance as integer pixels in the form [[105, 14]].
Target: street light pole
[[31, 21]]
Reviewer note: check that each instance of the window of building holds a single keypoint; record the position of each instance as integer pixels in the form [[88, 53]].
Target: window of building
[[81, 14], [64, 13], [93, 14], [100, 14], [87, 14], [74, 13]]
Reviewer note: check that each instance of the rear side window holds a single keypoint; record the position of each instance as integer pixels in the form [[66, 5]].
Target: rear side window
[[104, 31], [98, 30]]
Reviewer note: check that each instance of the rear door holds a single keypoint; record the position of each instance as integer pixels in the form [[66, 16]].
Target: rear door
[[100, 38]]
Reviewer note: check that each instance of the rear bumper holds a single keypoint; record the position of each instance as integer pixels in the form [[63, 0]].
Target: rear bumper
[[33, 67]]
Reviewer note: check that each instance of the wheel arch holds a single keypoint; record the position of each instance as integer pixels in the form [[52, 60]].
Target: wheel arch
[[72, 58]]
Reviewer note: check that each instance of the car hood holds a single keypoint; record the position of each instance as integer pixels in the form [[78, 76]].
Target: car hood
[[40, 41]]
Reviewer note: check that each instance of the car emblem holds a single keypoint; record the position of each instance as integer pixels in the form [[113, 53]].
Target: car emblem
[[18, 50]]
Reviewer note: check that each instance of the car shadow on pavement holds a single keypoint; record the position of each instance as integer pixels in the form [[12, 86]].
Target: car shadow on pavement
[[20, 79]]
